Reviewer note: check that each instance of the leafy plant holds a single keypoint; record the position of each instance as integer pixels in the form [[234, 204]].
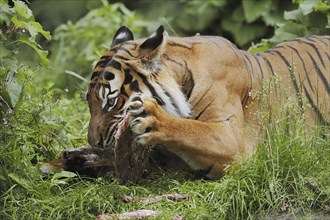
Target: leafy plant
[[77, 45], [240, 21], [18, 28], [310, 18]]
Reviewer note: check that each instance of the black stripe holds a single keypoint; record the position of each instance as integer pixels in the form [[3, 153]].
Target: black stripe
[[106, 108], [121, 57], [267, 51], [200, 114], [188, 83], [233, 47], [128, 77], [106, 85], [115, 64], [250, 72], [174, 61], [310, 39], [134, 86], [315, 108], [123, 91], [324, 80], [293, 78], [172, 101], [107, 131], [111, 131], [95, 74], [305, 70], [96, 91], [245, 98], [174, 44], [261, 72], [127, 51], [245, 56], [278, 47], [298, 40], [106, 57], [325, 43], [317, 51], [202, 97], [119, 107], [103, 93], [269, 64], [328, 56], [153, 91], [101, 63]]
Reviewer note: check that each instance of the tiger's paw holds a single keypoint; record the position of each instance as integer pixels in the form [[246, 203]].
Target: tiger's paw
[[144, 123]]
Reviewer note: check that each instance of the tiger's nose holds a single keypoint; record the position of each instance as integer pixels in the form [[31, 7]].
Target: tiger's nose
[[95, 140]]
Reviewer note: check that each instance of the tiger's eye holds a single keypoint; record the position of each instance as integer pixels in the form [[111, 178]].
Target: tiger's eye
[[112, 101]]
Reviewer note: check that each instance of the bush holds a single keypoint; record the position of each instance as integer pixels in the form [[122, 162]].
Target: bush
[[77, 45], [36, 123], [310, 18], [18, 29]]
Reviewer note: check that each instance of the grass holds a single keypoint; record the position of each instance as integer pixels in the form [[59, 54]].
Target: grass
[[289, 174]]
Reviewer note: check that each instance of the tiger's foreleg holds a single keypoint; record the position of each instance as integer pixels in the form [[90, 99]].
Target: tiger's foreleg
[[204, 146]]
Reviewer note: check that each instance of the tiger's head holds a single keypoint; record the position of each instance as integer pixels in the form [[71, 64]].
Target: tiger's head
[[128, 68]]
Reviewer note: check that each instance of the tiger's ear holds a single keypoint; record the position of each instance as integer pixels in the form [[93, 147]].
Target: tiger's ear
[[122, 35], [149, 52], [152, 46]]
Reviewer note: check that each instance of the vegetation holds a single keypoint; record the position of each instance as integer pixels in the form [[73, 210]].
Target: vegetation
[[289, 174]]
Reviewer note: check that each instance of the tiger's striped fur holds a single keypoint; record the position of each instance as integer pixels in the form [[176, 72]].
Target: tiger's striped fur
[[194, 93]]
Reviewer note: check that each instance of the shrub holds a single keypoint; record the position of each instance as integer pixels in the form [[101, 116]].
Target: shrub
[[77, 45]]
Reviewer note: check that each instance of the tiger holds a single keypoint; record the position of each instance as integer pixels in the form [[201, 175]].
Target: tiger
[[190, 97]]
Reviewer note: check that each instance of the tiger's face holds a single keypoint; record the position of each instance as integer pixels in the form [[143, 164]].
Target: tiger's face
[[122, 72]]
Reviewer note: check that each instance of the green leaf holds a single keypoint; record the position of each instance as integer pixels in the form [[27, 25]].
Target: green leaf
[[307, 6], [9, 63], [254, 8], [64, 174], [22, 10], [42, 53], [3, 2], [260, 47], [6, 12], [33, 27], [281, 34], [322, 6], [77, 76], [63, 177], [4, 52], [20, 181], [37, 28], [13, 88], [292, 15]]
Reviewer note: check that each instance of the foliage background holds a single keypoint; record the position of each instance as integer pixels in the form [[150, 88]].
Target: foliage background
[[47, 49]]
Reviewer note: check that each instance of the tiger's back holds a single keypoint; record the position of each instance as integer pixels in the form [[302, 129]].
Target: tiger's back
[[305, 64]]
